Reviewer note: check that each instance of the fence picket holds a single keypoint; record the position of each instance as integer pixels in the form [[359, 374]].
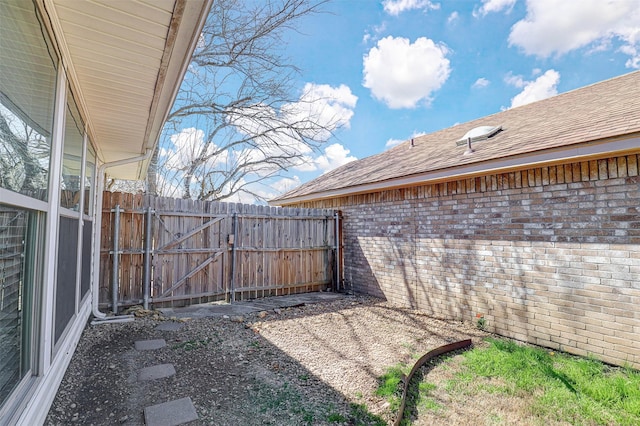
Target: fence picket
[[278, 250]]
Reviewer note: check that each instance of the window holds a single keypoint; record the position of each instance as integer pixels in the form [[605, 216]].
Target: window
[[18, 251], [72, 156], [28, 75], [70, 190], [27, 96]]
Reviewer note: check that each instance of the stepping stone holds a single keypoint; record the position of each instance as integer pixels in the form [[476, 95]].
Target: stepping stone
[[156, 372], [172, 413], [149, 345], [170, 326]]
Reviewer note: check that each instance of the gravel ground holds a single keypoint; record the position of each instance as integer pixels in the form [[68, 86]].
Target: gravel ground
[[305, 365]]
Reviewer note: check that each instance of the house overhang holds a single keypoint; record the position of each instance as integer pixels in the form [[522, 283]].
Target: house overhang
[[125, 61], [579, 152]]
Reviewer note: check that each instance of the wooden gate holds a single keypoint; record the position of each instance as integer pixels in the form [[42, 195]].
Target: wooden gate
[[178, 252]]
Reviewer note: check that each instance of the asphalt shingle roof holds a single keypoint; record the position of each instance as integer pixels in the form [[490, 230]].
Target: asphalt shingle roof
[[603, 110]]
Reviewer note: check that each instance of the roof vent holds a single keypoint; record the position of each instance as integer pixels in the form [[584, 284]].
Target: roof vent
[[478, 134]]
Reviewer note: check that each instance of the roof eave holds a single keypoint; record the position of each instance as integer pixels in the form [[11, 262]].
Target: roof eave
[[577, 152], [181, 44], [184, 28]]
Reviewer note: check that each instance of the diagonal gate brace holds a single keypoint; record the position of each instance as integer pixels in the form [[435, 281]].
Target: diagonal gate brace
[[192, 273], [189, 234]]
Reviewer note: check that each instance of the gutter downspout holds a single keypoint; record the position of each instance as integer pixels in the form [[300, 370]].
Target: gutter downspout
[[101, 317]]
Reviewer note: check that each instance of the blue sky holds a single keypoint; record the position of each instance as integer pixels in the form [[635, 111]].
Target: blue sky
[[391, 69], [461, 59]]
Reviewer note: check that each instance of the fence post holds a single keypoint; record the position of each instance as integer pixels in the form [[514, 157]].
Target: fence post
[[233, 257], [116, 260], [337, 239], [147, 260]]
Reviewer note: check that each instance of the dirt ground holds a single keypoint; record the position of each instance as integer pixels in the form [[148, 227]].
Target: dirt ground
[[315, 364]]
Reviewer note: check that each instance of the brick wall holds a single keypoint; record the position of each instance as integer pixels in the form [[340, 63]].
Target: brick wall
[[550, 255]]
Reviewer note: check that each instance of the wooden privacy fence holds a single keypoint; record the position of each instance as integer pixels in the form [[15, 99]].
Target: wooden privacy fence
[[175, 252]]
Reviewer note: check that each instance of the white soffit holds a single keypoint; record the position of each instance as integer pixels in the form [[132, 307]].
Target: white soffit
[[127, 59]]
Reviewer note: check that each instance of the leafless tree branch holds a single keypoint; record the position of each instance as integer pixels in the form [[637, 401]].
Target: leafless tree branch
[[234, 103]]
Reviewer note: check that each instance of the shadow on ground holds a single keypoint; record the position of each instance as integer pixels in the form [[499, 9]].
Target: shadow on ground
[[277, 367]]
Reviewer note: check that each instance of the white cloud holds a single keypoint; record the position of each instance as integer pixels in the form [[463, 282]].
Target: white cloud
[[334, 156], [489, 6], [453, 17], [286, 184], [375, 33], [634, 61], [396, 7], [264, 190], [394, 142], [167, 187], [329, 108], [557, 27], [514, 80], [401, 74], [188, 145], [320, 110], [542, 87], [481, 83]]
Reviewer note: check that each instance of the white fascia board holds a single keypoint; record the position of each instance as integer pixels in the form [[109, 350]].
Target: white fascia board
[[174, 66], [536, 159]]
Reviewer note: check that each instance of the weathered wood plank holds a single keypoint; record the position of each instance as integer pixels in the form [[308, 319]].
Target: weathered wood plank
[[279, 251]]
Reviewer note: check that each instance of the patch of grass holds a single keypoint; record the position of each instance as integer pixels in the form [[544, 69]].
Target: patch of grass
[[409, 347], [280, 398], [361, 416], [481, 322], [494, 419], [286, 402], [190, 345], [556, 387], [308, 417], [461, 383], [419, 399], [567, 388], [424, 401], [390, 385], [336, 418], [430, 404]]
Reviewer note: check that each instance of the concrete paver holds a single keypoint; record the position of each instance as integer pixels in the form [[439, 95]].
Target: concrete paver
[[171, 413], [154, 372], [249, 306]]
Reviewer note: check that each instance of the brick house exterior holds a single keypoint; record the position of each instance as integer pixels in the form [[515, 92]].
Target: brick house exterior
[[544, 244]]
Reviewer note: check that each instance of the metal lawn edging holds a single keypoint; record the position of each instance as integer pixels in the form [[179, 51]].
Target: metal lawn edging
[[462, 344]]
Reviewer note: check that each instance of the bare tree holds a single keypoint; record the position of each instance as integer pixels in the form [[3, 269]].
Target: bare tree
[[24, 155], [237, 119]]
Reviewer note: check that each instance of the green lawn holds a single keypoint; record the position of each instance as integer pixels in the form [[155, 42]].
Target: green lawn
[[553, 387]]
